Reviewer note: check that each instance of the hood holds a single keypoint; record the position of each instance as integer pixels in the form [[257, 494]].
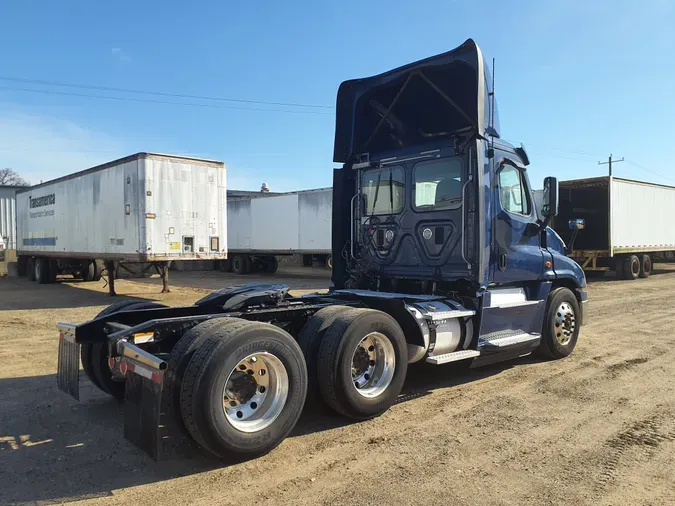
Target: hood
[[416, 104]]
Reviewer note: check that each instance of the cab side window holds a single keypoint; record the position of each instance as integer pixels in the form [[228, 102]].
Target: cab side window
[[513, 191]]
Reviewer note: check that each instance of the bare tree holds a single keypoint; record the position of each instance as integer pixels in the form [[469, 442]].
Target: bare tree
[[9, 177]]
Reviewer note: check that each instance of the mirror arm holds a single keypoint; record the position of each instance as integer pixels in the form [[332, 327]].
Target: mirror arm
[[570, 247], [546, 221]]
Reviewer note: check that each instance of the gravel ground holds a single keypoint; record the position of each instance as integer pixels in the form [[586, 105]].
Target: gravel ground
[[596, 428]]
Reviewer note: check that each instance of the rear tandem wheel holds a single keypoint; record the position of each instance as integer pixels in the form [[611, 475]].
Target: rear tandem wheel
[[243, 389], [95, 355]]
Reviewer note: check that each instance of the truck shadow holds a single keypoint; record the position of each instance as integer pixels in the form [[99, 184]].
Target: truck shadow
[[603, 277], [20, 294], [295, 278], [54, 449]]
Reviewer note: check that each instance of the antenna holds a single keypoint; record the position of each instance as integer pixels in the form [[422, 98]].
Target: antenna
[[492, 112]]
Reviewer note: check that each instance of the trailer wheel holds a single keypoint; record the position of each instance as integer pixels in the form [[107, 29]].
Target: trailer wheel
[[98, 270], [310, 338], [329, 262], [30, 269], [362, 363], [88, 272], [241, 264], [631, 267], [244, 389], [95, 355], [271, 264], [645, 266], [561, 325], [53, 270], [42, 271], [178, 361], [618, 267]]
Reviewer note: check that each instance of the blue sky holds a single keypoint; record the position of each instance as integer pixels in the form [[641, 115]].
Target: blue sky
[[575, 80]]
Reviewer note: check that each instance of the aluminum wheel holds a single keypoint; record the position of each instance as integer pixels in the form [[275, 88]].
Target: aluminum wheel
[[256, 392], [564, 324], [373, 364]]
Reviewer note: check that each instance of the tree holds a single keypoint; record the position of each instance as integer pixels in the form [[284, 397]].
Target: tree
[[9, 177]]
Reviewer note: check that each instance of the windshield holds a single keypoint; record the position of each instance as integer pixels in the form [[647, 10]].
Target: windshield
[[438, 184], [383, 190]]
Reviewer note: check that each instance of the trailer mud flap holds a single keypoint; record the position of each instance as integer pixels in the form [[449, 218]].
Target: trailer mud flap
[[143, 398], [68, 370]]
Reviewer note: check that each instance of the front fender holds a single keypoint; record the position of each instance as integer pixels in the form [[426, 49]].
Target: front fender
[[566, 268]]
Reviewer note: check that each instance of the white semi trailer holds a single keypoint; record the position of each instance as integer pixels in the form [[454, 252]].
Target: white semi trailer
[[626, 224], [262, 227], [147, 208]]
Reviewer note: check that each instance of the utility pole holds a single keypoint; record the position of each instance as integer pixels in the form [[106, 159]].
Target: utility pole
[[609, 162]]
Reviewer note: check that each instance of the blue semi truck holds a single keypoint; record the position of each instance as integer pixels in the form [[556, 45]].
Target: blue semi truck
[[439, 256]]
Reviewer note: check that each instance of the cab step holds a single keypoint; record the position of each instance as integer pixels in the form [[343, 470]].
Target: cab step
[[452, 357], [505, 338], [440, 316]]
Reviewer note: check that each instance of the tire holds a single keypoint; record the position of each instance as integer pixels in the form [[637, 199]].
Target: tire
[[618, 267], [241, 264], [560, 332], [211, 367], [225, 265], [178, 361], [86, 349], [22, 266], [329, 262], [307, 260], [30, 269], [271, 264], [98, 270], [336, 356], [95, 355], [631, 267], [53, 270], [645, 266], [310, 338], [42, 271], [88, 272]]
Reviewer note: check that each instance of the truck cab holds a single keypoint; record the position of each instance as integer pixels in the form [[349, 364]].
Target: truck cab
[[431, 202]]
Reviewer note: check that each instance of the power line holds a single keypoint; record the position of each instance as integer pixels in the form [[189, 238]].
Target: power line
[[586, 153], [648, 170], [166, 102], [563, 150], [158, 93]]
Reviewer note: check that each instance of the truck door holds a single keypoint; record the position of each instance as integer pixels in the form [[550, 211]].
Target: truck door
[[517, 254]]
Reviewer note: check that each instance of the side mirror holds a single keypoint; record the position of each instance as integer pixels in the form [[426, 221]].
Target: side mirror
[[577, 224], [550, 208]]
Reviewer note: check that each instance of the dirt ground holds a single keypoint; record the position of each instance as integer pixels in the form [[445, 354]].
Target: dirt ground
[[596, 428]]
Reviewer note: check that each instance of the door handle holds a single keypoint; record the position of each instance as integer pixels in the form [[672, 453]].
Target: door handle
[[502, 261]]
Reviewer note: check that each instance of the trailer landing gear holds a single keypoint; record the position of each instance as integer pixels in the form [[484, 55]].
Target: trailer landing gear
[[162, 269], [110, 269]]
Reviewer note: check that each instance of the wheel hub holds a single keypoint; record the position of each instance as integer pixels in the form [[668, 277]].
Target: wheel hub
[[361, 362], [244, 387], [564, 323], [373, 364], [255, 392]]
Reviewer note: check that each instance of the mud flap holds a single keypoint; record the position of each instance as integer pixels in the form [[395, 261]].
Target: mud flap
[[142, 402], [68, 370], [143, 398]]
